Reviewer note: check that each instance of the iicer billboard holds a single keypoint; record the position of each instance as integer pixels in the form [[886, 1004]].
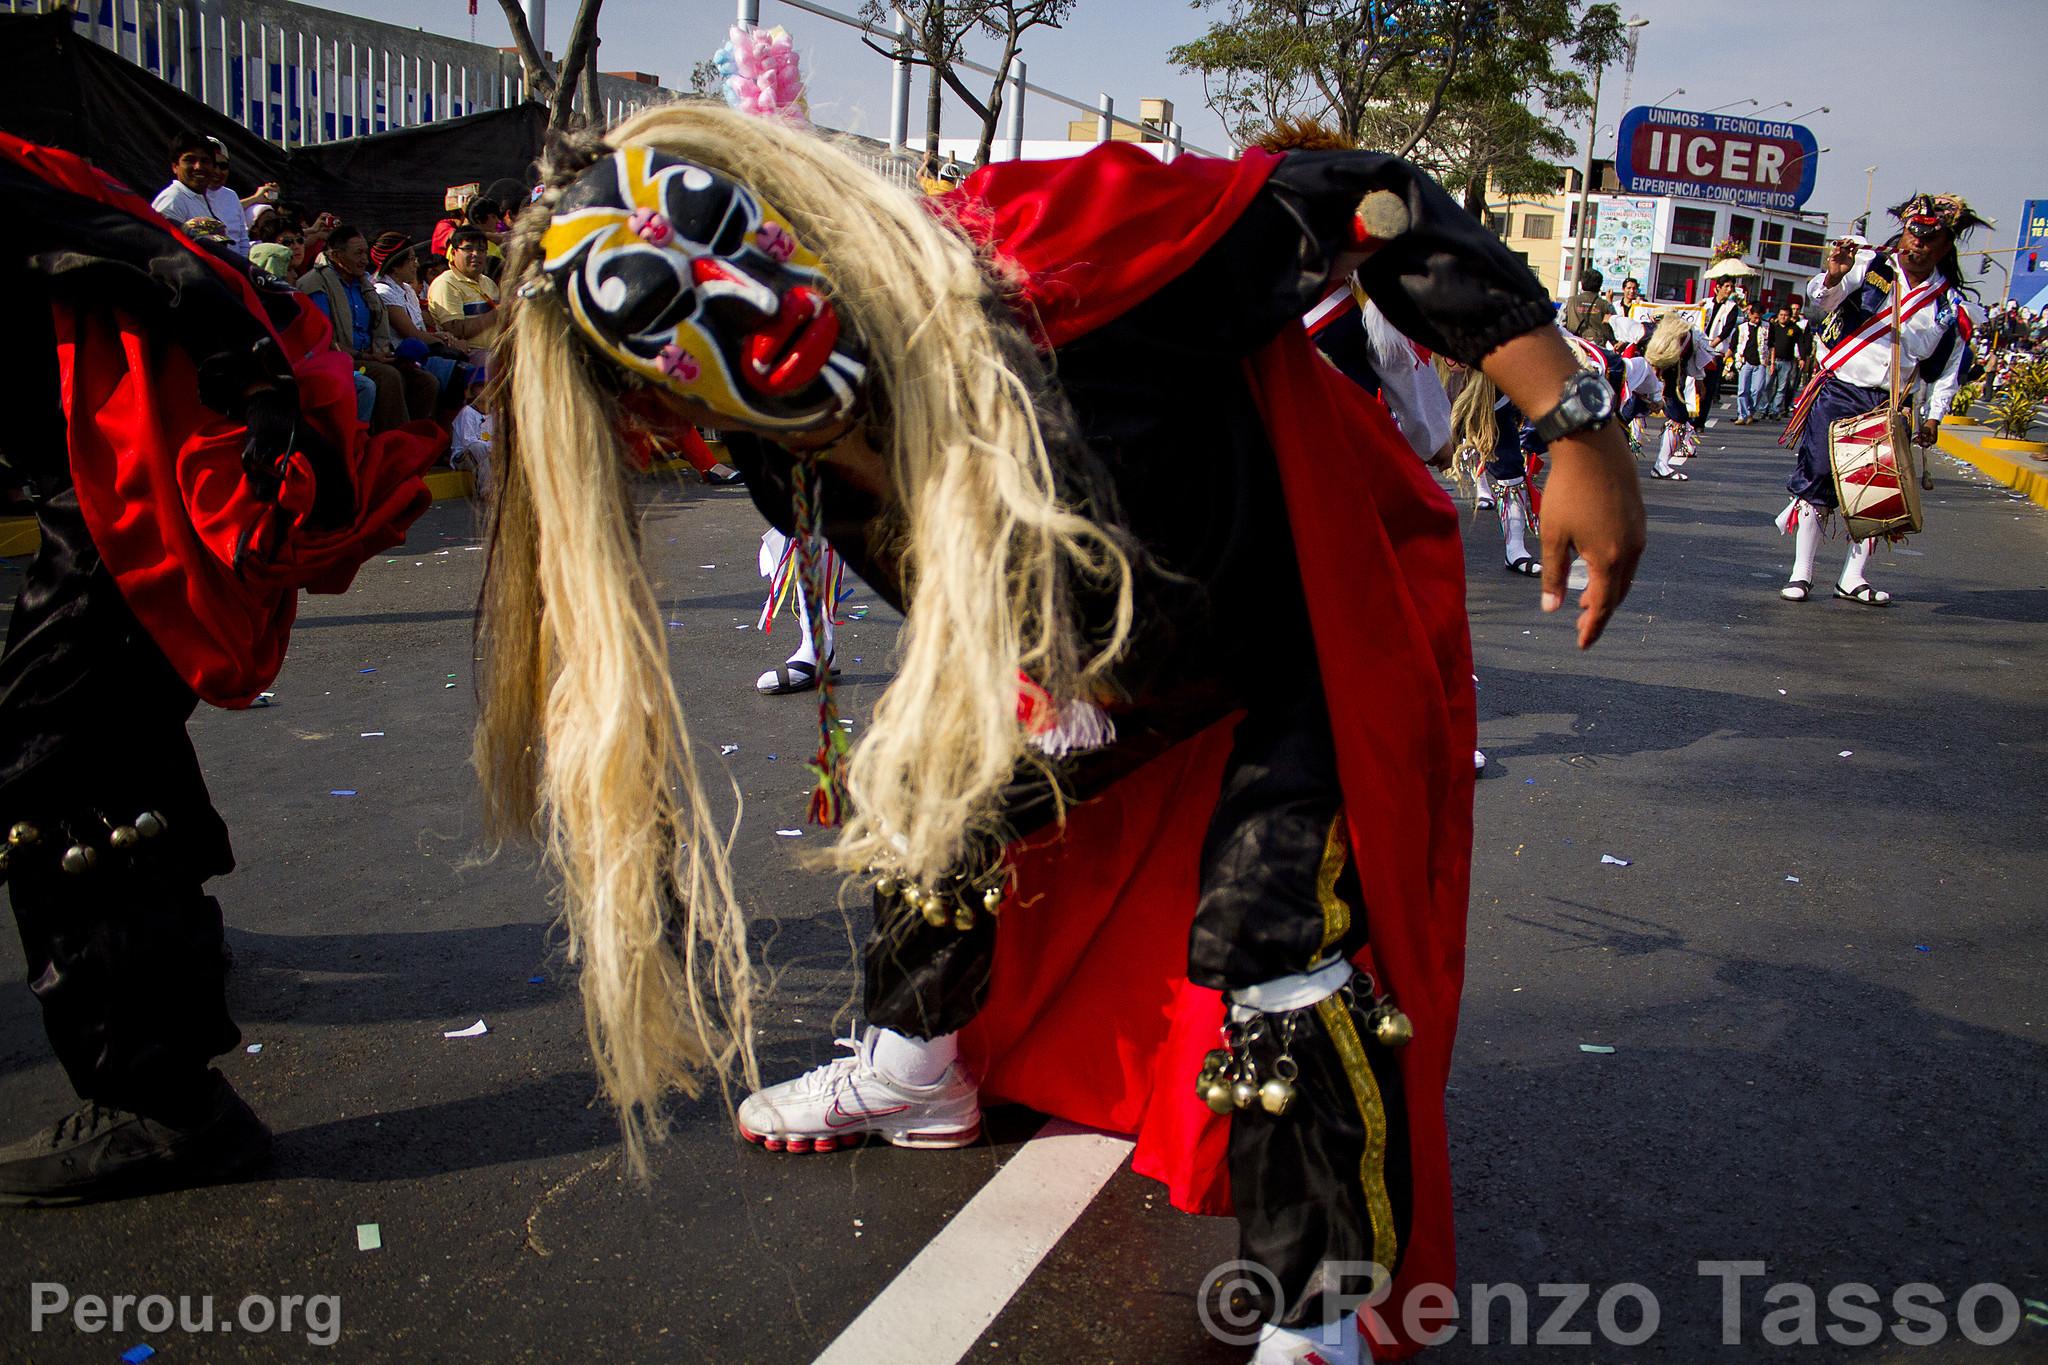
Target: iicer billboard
[[1752, 162]]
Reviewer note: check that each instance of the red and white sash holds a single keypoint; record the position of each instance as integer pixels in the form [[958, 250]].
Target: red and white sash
[[1874, 329]]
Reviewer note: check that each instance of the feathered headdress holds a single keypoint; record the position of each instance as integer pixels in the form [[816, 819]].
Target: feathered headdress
[[1949, 213], [761, 74]]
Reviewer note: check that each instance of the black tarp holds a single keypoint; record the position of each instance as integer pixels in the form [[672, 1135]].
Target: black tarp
[[66, 91]]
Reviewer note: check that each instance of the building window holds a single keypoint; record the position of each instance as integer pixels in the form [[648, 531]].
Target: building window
[[1497, 224], [1592, 220], [1675, 280], [1773, 244], [1538, 225], [1692, 227], [1807, 248], [1743, 230]]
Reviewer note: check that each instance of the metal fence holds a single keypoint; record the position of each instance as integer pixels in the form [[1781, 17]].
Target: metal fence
[[297, 75]]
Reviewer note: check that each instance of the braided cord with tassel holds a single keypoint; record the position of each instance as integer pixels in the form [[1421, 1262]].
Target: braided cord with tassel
[[828, 798]]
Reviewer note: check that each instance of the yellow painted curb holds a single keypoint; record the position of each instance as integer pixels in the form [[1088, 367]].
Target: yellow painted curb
[[2008, 443], [2022, 475], [1956, 420]]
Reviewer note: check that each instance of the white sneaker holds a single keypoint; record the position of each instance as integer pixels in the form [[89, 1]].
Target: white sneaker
[[1478, 760], [840, 1103], [1278, 1346]]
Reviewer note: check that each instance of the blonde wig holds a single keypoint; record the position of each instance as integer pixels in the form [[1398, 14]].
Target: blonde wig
[[1666, 346], [581, 736]]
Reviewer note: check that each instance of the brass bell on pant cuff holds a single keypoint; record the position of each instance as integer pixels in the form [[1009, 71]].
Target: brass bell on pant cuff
[[1276, 1097], [1392, 1028], [151, 823], [963, 918], [23, 834], [1244, 1095], [79, 858], [124, 836], [885, 887], [1218, 1097], [992, 899]]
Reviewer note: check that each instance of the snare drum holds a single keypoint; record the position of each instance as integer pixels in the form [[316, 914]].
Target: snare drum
[[1877, 485]]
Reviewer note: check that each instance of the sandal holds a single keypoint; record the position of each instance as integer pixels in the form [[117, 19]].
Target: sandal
[[794, 676], [1527, 564], [1482, 504], [1674, 474], [1797, 590], [1864, 593]]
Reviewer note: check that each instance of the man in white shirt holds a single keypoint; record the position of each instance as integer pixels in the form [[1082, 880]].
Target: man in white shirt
[[191, 156], [1857, 290], [233, 209]]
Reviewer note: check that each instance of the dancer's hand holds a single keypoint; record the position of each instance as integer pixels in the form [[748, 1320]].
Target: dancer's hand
[[1592, 508], [1929, 432]]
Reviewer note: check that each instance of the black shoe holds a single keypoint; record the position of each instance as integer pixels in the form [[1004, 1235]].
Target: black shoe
[[101, 1153]]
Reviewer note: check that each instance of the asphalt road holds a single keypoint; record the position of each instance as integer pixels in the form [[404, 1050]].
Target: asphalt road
[[1819, 972]]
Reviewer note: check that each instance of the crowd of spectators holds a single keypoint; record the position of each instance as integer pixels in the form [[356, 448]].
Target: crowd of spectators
[[416, 319]]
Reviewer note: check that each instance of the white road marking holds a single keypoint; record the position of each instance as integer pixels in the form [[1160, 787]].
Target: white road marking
[[934, 1311]]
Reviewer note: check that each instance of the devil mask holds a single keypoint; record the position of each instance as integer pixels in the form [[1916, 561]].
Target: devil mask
[[688, 280]]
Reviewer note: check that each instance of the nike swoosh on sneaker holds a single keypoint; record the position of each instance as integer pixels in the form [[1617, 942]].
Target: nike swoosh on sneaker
[[837, 1117]]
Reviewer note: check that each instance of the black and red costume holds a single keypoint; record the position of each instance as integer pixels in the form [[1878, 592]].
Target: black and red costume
[[1292, 772], [188, 441]]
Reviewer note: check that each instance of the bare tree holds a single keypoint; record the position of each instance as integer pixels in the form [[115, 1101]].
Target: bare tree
[[937, 40], [579, 63]]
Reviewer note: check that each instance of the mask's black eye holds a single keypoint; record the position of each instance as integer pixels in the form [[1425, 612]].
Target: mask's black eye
[[718, 214], [646, 287]]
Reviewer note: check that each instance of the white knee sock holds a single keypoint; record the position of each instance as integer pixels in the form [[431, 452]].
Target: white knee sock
[[1852, 567], [915, 1062], [1482, 486], [1514, 518], [1805, 542], [806, 649], [1666, 447]]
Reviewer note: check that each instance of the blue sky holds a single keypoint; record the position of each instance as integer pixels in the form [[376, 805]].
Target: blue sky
[[1973, 128]]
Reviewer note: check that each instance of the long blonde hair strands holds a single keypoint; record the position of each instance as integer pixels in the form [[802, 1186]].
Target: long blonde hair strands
[[581, 738]]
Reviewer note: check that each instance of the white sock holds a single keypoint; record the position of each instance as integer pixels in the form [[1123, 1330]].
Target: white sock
[[1805, 543], [915, 1062], [1666, 446], [1852, 567], [1482, 486], [1514, 518]]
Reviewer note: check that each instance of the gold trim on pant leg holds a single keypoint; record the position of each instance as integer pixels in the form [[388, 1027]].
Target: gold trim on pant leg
[[1336, 914], [1365, 1089]]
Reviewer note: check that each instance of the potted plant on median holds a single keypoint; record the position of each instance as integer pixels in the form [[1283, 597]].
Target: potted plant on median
[[2018, 407]]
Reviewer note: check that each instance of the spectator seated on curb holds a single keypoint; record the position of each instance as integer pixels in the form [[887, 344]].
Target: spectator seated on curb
[[362, 330], [272, 238], [464, 301], [395, 275]]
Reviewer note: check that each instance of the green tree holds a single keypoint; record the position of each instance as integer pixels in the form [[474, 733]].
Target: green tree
[[1467, 88]]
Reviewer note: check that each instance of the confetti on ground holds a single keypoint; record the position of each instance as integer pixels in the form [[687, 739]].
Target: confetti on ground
[[476, 1030], [366, 670], [1595, 1047], [1617, 862], [1528, 781], [2037, 1320], [342, 791], [741, 626], [1792, 879], [771, 758], [790, 833], [675, 625], [1845, 753], [2035, 1304], [372, 734], [135, 1355], [536, 981], [1781, 692], [447, 685], [265, 698], [369, 1237], [1922, 948], [253, 1049], [707, 566], [728, 749]]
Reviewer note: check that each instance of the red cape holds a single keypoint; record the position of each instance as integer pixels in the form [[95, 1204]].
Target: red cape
[[210, 569], [1090, 1014]]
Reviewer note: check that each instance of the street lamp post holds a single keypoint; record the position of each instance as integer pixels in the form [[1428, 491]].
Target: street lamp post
[[1869, 179], [1635, 26]]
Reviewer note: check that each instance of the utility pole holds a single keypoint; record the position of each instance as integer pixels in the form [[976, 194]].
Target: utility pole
[[1869, 179], [1585, 192]]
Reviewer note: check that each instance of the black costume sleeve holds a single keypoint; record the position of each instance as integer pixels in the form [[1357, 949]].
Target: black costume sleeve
[[82, 250], [1445, 280]]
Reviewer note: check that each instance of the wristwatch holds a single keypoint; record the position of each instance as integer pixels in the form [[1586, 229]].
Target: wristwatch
[[1585, 405]]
